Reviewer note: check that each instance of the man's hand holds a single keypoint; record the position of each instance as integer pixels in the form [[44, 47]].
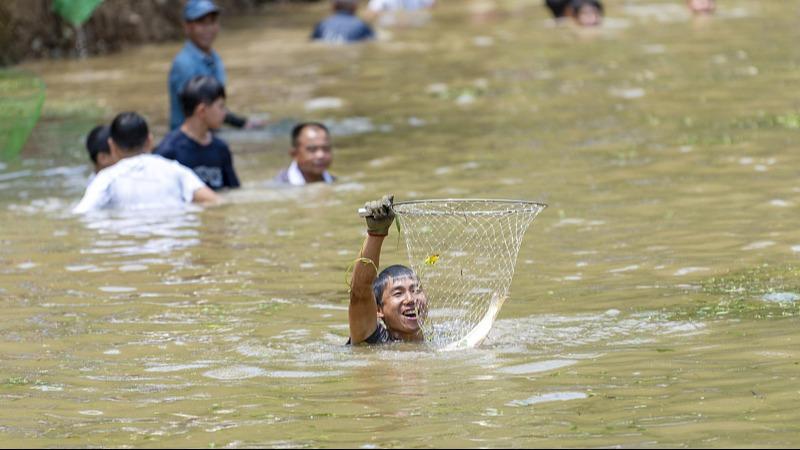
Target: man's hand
[[255, 123], [379, 215]]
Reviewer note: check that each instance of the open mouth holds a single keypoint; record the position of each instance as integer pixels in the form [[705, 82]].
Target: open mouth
[[411, 314]]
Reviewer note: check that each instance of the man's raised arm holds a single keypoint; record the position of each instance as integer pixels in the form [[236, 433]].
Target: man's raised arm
[[363, 311]]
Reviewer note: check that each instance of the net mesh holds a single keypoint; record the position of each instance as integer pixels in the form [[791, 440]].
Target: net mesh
[[464, 252], [21, 99]]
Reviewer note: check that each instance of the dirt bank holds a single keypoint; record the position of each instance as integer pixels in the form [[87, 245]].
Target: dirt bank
[[30, 28]]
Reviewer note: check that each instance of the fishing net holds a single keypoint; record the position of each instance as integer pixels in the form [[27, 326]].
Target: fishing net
[[75, 12], [464, 252], [21, 99]]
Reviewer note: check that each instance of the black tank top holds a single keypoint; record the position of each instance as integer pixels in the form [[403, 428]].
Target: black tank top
[[379, 336]]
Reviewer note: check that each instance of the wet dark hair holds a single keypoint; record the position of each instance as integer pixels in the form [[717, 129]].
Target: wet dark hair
[[576, 5], [394, 272], [345, 5], [557, 7], [97, 141], [302, 126], [129, 131], [200, 89]]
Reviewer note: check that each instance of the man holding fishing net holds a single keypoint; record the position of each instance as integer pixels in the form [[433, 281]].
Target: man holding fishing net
[[464, 250], [384, 307]]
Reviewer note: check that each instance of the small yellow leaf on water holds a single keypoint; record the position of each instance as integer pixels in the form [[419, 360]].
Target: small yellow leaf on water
[[431, 260]]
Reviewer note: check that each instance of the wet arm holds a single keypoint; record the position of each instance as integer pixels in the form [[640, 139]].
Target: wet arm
[[363, 311], [205, 196], [235, 120]]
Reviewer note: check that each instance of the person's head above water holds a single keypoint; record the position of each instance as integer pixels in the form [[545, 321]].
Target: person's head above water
[[345, 6], [97, 146], [203, 99], [130, 136], [312, 150], [701, 6], [201, 23], [400, 298], [587, 13]]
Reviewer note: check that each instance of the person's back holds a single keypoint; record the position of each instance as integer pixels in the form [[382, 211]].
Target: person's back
[[144, 181], [343, 26], [139, 180]]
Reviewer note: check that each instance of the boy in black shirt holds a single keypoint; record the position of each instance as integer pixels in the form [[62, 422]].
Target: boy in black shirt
[[193, 144]]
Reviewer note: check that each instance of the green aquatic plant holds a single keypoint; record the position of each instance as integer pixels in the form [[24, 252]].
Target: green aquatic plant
[[741, 294], [789, 121], [17, 381]]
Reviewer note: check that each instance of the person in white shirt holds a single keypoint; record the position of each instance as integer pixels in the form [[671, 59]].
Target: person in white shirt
[[399, 13], [138, 179], [379, 6]]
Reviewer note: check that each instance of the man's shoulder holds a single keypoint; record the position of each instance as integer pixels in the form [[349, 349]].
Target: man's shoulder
[[282, 177], [159, 162], [379, 336]]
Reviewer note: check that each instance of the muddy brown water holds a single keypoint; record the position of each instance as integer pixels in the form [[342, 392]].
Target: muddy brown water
[[654, 303]]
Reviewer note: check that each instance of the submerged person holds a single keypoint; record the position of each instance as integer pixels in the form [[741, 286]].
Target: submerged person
[[585, 13], [197, 57], [384, 307], [701, 6], [97, 146], [343, 26], [193, 144], [312, 155], [137, 179]]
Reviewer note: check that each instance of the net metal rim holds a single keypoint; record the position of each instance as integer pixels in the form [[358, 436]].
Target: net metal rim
[[520, 206]]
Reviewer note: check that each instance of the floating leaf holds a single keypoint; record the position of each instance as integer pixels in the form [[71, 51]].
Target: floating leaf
[[431, 260]]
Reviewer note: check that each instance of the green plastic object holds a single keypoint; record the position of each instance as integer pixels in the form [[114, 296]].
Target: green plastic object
[[75, 12], [21, 99]]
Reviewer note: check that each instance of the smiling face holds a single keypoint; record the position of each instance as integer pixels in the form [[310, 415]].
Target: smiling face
[[313, 153], [403, 307], [203, 31]]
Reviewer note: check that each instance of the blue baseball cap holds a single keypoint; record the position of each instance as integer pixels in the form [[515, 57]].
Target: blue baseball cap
[[195, 9]]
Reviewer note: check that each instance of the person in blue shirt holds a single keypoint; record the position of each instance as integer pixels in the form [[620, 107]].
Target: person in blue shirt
[[193, 144], [201, 25], [343, 26]]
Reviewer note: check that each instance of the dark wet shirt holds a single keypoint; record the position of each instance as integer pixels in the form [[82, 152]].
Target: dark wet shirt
[[213, 163], [380, 336], [341, 28]]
